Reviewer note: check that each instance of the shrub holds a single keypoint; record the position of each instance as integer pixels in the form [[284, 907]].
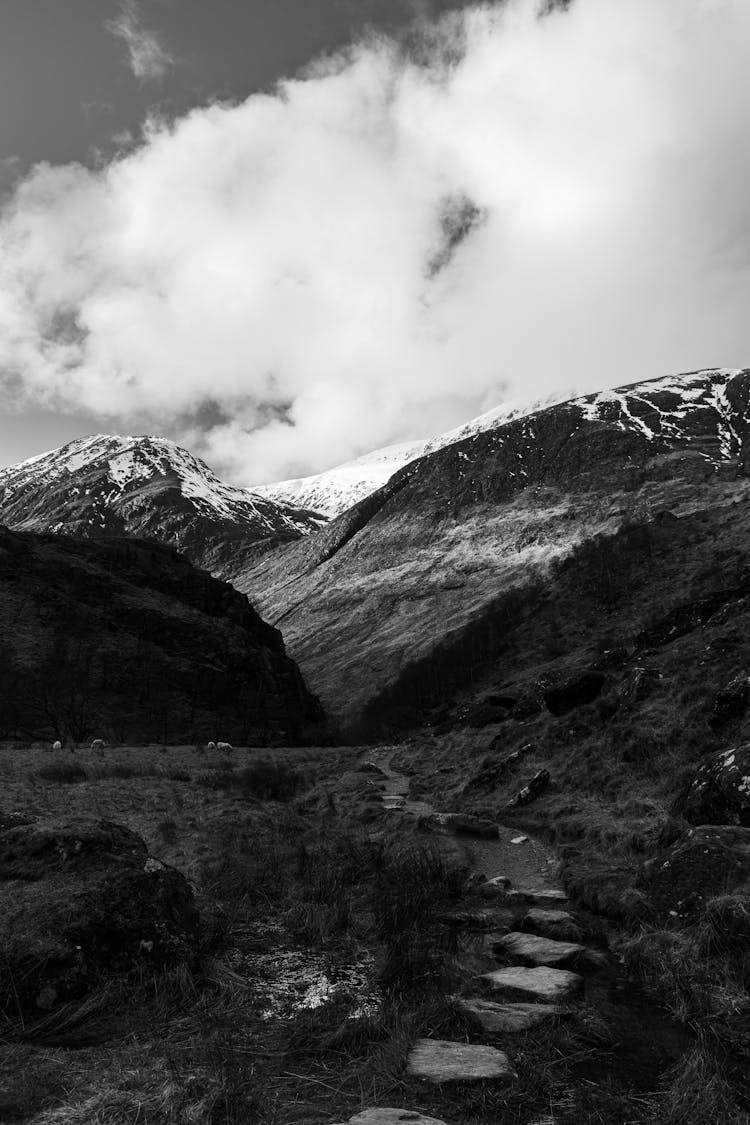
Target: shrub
[[269, 781], [64, 773]]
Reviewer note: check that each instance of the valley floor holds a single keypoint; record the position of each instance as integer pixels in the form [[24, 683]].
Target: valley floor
[[342, 924]]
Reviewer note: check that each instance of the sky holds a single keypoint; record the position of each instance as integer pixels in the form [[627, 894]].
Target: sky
[[285, 232]]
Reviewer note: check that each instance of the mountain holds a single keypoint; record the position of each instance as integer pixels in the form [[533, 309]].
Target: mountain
[[333, 491], [126, 640], [144, 487], [472, 560]]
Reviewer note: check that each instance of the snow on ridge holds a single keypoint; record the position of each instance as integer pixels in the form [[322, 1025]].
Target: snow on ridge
[[334, 490]]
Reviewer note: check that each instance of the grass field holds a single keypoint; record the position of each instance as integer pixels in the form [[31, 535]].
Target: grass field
[[322, 960]]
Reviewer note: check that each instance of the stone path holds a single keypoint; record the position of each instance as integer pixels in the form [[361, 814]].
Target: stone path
[[516, 891]]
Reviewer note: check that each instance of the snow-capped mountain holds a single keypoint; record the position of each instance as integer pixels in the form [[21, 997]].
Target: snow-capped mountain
[[417, 587], [334, 490], [142, 486]]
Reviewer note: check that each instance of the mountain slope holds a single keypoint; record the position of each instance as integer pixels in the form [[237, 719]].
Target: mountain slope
[[125, 640], [411, 593], [143, 486], [334, 490]]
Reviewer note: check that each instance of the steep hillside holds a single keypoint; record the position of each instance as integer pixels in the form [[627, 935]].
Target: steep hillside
[[335, 490], [147, 487], [125, 640], [428, 583]]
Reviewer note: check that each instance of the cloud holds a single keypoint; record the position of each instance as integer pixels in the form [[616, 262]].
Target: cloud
[[147, 57], [401, 237]]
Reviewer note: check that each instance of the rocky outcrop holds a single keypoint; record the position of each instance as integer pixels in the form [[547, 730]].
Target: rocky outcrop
[[720, 790], [126, 640], [534, 788], [81, 902]]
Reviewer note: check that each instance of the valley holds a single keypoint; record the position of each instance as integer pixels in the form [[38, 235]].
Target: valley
[[490, 726]]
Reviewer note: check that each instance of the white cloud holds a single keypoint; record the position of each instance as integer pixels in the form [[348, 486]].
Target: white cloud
[[270, 266], [147, 57]]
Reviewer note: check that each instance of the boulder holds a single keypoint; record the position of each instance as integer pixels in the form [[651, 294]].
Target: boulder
[[541, 983], [710, 860], [82, 900], [438, 1060], [506, 1018], [534, 950], [720, 790], [731, 702]]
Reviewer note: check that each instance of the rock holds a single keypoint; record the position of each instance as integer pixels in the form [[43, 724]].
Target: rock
[[720, 791], [438, 1060], [511, 1018], [371, 767], [710, 860], [542, 982], [731, 702], [492, 770], [575, 692], [551, 923], [388, 1116], [535, 950], [539, 782], [496, 887], [80, 901]]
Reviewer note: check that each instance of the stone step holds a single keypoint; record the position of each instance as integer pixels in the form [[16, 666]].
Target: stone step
[[547, 896], [556, 924], [542, 982], [383, 1115], [509, 1018], [535, 950], [439, 1060]]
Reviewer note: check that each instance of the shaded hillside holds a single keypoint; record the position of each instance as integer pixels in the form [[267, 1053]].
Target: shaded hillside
[[125, 640], [144, 487], [431, 580]]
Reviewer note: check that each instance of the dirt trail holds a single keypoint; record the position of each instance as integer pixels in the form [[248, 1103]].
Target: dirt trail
[[528, 864]]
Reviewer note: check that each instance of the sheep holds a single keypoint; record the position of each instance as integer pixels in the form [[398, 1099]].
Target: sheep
[[223, 745], [98, 744], [211, 746], [57, 744]]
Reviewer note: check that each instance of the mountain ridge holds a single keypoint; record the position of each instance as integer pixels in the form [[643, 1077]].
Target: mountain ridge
[[107, 485]]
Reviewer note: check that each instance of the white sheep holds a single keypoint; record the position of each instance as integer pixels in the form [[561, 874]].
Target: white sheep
[[57, 744], [98, 744], [223, 745], [211, 746]]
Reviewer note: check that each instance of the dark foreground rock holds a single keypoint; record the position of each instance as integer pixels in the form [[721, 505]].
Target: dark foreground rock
[[709, 861], [720, 791], [80, 902]]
